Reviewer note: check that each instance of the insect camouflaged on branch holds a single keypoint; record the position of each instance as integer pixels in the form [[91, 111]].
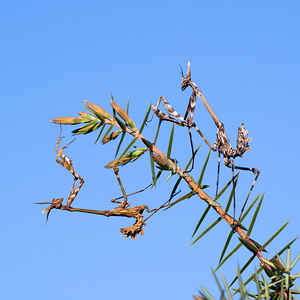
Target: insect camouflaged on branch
[[222, 144]]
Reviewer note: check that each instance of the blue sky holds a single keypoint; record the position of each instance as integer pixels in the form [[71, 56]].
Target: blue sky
[[244, 57]]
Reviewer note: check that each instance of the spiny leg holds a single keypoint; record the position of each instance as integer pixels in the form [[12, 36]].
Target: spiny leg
[[255, 179], [255, 172], [192, 147], [233, 187], [218, 173], [124, 203], [67, 163]]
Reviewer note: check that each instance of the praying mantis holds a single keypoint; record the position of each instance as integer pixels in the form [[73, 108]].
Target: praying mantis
[[222, 144]]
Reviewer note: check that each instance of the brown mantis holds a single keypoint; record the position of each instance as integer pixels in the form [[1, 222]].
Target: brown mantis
[[222, 144]]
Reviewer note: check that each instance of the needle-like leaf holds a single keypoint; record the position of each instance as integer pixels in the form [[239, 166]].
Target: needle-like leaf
[[225, 188], [229, 255], [231, 195], [201, 219], [145, 119], [203, 169], [119, 145], [273, 236], [254, 216], [206, 230], [170, 142], [226, 244]]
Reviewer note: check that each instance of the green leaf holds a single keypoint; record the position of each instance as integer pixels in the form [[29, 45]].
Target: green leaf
[[156, 178], [157, 131], [130, 144], [226, 244], [257, 287], [201, 219], [170, 142], [206, 230], [225, 188], [107, 132], [87, 128], [254, 216], [231, 195], [203, 169], [214, 203], [226, 287], [228, 256], [99, 133], [119, 145], [121, 124], [243, 292], [266, 288], [257, 245], [210, 297], [188, 195], [295, 261], [190, 161], [249, 209], [127, 107], [147, 143], [218, 282], [274, 235], [145, 119], [175, 187], [152, 167], [288, 258], [249, 246]]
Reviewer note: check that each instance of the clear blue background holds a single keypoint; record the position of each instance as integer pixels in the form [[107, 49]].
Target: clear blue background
[[244, 57]]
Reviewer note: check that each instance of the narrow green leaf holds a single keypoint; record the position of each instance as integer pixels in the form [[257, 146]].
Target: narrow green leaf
[[152, 167], [170, 142], [119, 145], [217, 281], [188, 195], [191, 159], [87, 128], [201, 219], [147, 143], [229, 255], [156, 178], [249, 209], [226, 287], [157, 131], [214, 203], [266, 287], [98, 115], [257, 245], [249, 246], [121, 124], [145, 119], [175, 187], [203, 169], [254, 216], [274, 235], [126, 149], [127, 106], [243, 292], [206, 230], [288, 245], [226, 244], [257, 287], [225, 188], [231, 195], [99, 133], [207, 293], [107, 132], [295, 261], [288, 259]]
